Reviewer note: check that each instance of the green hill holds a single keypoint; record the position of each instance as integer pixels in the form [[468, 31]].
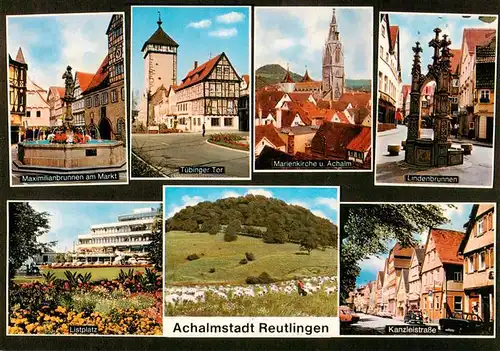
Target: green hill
[[274, 73], [280, 261], [284, 222]]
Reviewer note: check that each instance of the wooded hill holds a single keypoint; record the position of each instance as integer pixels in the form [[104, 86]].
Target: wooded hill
[[283, 222]]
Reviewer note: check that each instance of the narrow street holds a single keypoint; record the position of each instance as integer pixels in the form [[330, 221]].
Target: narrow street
[[168, 152], [475, 171], [371, 325]]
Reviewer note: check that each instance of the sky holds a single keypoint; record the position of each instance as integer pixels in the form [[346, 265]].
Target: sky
[[199, 31], [417, 27], [323, 202], [70, 219], [296, 36], [51, 43], [458, 216]]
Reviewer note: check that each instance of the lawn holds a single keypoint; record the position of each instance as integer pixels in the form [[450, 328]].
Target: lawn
[[280, 261], [99, 273]]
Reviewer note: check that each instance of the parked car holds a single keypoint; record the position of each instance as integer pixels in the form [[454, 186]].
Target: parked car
[[465, 323], [384, 314], [414, 317], [347, 316]]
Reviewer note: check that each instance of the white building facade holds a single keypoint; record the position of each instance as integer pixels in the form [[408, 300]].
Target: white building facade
[[123, 242]]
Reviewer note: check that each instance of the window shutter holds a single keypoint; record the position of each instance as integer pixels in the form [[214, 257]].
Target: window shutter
[[476, 261], [487, 258]]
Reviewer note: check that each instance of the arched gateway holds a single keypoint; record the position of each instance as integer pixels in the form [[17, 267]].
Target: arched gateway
[[435, 152]]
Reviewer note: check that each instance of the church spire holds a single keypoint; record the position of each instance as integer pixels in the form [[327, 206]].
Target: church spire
[[20, 56], [334, 33], [159, 19], [288, 77], [306, 77]]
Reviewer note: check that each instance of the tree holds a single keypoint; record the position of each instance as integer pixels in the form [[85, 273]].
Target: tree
[[60, 258], [213, 226], [233, 228], [308, 243], [25, 226], [367, 229], [155, 248], [275, 232]]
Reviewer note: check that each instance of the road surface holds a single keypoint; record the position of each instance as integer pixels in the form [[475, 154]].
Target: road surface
[[475, 171], [168, 152]]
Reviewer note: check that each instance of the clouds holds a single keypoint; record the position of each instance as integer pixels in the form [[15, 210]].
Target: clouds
[[231, 17], [224, 33], [50, 43], [221, 32], [419, 27], [186, 202], [200, 24], [297, 36], [262, 192]]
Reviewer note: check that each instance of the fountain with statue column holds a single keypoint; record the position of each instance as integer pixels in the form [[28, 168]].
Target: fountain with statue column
[[68, 147], [436, 151]]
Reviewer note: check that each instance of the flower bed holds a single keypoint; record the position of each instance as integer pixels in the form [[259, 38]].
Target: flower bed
[[229, 140], [129, 304]]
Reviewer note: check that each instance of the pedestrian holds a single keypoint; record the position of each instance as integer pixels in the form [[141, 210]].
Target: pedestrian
[[300, 288], [203, 129]]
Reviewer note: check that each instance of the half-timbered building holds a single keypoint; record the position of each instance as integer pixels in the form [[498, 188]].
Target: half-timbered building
[[209, 95], [105, 95], [17, 94]]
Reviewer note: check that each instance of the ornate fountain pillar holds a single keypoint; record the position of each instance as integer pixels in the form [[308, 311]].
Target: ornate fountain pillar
[[69, 87], [441, 99], [413, 132]]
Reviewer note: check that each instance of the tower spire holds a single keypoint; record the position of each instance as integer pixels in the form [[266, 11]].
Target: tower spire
[[159, 19]]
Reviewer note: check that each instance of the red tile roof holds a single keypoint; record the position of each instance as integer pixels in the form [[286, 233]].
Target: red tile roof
[[270, 133], [287, 117], [332, 139], [20, 56], [394, 34], [84, 79], [362, 142], [246, 78], [306, 77], [299, 96], [287, 78], [455, 60], [335, 105], [199, 73], [266, 101], [341, 116], [447, 243], [100, 77], [477, 36], [59, 90], [398, 250], [357, 99]]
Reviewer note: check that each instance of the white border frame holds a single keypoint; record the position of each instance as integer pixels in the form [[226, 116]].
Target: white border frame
[[124, 100], [75, 335], [449, 336], [250, 63], [256, 8], [441, 185], [266, 187]]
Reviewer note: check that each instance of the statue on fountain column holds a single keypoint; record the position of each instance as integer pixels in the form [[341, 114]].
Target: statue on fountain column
[[69, 87]]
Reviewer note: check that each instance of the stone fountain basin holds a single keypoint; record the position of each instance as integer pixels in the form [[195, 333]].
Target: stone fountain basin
[[95, 154]]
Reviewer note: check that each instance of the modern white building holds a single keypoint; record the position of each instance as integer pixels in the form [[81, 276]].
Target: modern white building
[[123, 242]]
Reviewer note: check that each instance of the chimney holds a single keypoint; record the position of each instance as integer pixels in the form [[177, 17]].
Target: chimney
[[291, 143], [195, 64]]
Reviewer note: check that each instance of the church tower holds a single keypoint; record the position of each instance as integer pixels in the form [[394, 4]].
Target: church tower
[[160, 60], [287, 84], [333, 64]]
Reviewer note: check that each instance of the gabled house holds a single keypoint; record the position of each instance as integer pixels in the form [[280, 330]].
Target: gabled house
[[402, 294], [478, 249], [267, 135], [379, 292], [56, 104], [414, 279], [442, 274], [398, 260]]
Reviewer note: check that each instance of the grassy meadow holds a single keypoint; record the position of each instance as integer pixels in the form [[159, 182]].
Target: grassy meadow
[[280, 261]]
